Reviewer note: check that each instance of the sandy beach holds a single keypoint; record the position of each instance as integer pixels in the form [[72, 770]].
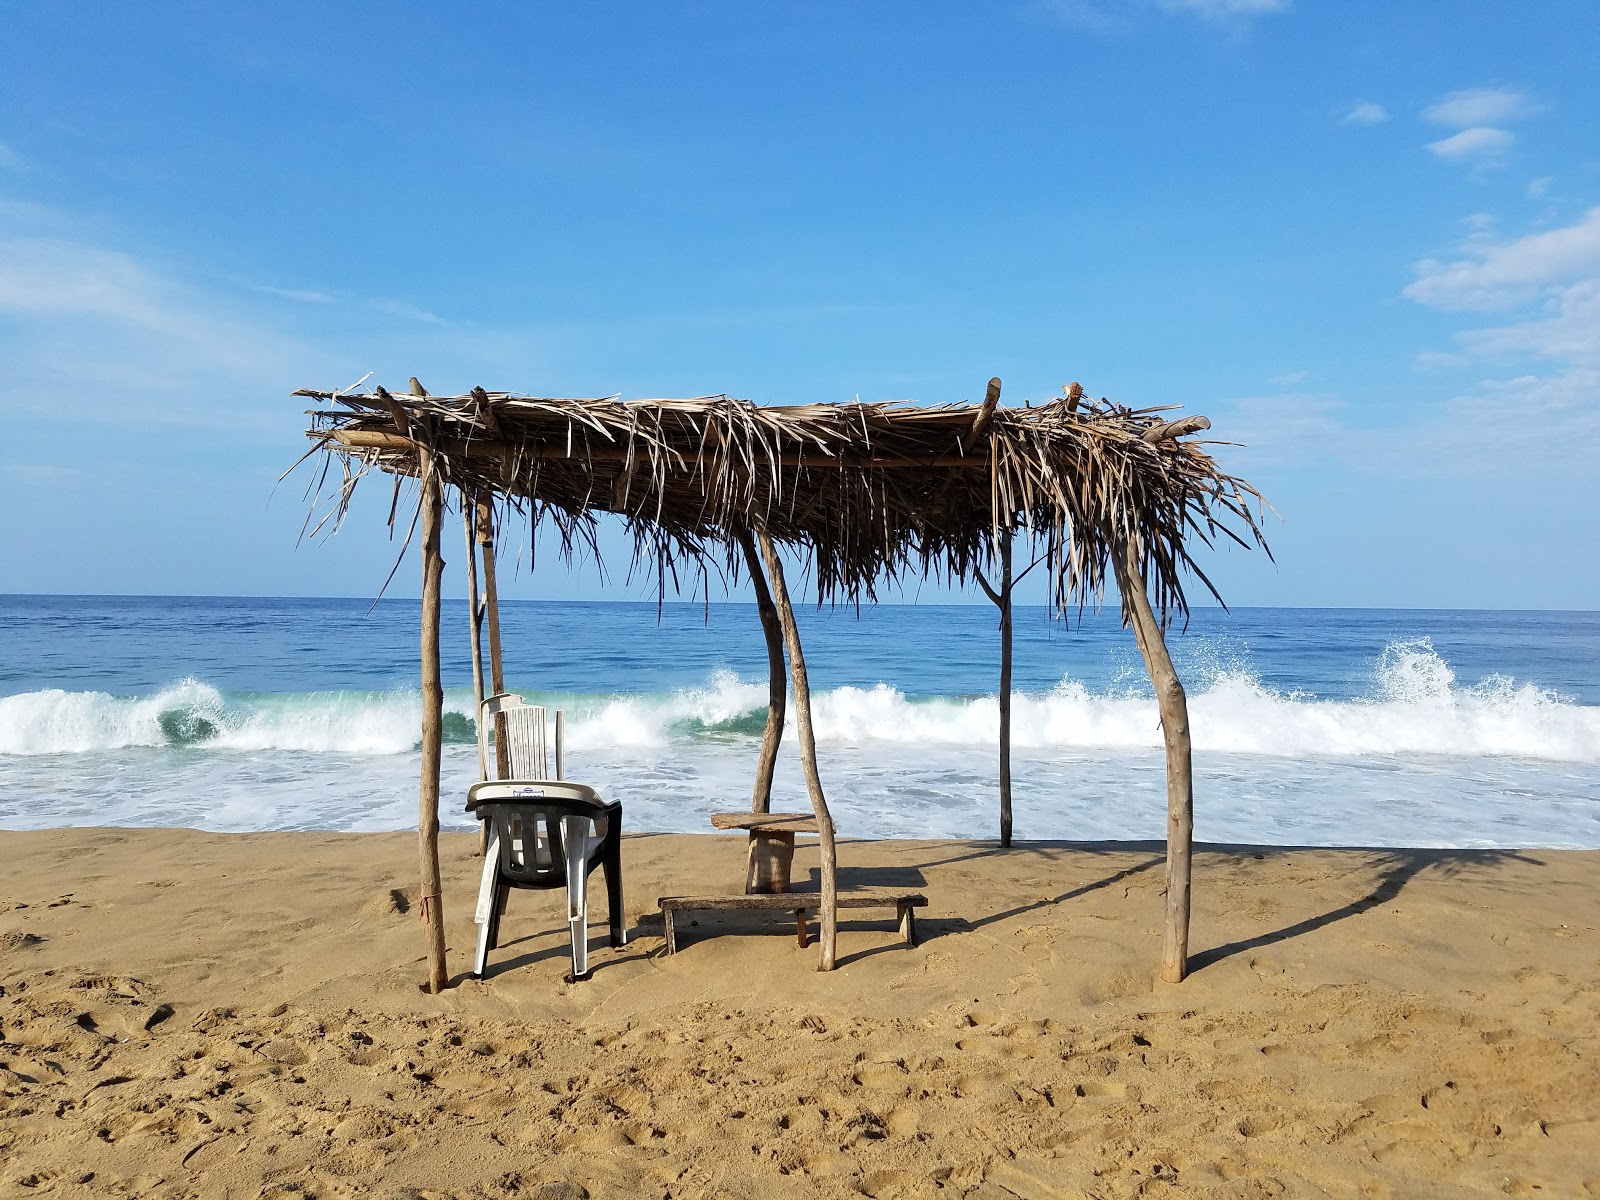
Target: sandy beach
[[189, 1014]]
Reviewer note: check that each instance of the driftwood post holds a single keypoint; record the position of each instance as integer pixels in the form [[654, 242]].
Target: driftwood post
[[1002, 600], [491, 603], [475, 632], [808, 754], [432, 903], [1174, 708], [1001, 597], [777, 686]]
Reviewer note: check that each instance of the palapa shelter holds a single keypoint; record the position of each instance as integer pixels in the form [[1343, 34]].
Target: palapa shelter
[[865, 493]]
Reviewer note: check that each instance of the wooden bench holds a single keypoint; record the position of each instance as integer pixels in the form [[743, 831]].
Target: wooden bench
[[799, 903], [771, 854]]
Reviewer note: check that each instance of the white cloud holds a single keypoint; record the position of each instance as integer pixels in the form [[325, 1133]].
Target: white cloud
[[1480, 106], [1118, 16], [1494, 276], [1366, 113], [1283, 429], [298, 295], [1559, 411], [1559, 271], [10, 160], [1539, 188], [1221, 10], [1480, 142], [125, 340], [1570, 331], [43, 474], [400, 308], [1289, 380]]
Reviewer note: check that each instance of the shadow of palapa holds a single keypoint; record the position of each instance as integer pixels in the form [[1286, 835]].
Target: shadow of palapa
[[1395, 868]]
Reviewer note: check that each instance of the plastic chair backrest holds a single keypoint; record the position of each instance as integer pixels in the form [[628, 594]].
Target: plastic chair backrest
[[527, 738]]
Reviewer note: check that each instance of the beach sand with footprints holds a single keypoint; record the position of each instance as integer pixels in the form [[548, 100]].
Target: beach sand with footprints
[[201, 1015]]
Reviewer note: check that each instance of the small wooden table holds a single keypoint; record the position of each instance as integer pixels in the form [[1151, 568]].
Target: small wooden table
[[771, 855]]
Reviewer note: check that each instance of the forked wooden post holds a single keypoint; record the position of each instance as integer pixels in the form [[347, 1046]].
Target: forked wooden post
[[1005, 691], [491, 603], [1174, 708], [808, 755], [1001, 597], [777, 685], [432, 904]]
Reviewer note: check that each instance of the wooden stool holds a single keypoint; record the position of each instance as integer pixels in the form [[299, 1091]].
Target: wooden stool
[[771, 856]]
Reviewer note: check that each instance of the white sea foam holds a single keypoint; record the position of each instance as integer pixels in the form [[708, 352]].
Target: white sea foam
[[194, 713], [1416, 707]]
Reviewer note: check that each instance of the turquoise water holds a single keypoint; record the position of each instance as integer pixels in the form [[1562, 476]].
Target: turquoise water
[[1322, 727]]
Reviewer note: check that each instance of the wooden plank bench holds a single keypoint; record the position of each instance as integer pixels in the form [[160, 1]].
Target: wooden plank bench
[[799, 903]]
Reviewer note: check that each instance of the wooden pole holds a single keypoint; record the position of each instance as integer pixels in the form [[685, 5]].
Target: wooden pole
[[1174, 708], [1001, 598], [475, 632], [808, 755], [491, 602], [432, 905], [1005, 691], [777, 686]]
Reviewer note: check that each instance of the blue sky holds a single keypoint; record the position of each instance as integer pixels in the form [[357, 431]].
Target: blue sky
[[1363, 238]]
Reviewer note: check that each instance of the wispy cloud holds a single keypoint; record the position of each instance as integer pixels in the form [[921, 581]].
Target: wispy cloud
[[1570, 329], [298, 295], [1553, 278], [10, 160], [1222, 10], [1501, 275], [1291, 379], [401, 308], [1538, 189], [1116, 16], [1479, 144], [1480, 106], [46, 474], [1366, 112], [1478, 115], [128, 340]]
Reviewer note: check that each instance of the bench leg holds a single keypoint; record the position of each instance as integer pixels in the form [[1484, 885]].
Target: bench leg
[[800, 927], [667, 924], [908, 924]]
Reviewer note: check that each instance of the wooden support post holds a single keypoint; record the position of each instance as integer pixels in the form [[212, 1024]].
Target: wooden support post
[[829, 912], [491, 601], [475, 632], [432, 905], [1001, 598], [777, 686], [1174, 708], [1005, 691]]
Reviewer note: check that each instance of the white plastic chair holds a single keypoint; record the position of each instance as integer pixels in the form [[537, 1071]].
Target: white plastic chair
[[547, 834]]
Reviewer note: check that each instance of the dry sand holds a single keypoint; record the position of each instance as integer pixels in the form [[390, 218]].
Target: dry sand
[[188, 1014]]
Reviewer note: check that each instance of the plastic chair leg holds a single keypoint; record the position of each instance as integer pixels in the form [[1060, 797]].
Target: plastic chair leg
[[575, 841], [487, 912], [612, 866]]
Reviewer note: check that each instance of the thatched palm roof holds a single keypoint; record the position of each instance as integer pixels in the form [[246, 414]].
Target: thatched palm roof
[[868, 491]]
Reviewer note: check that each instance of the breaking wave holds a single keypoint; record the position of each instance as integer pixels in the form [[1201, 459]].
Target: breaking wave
[[1416, 706]]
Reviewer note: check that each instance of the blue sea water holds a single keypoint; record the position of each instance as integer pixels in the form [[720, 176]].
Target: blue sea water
[[1311, 727]]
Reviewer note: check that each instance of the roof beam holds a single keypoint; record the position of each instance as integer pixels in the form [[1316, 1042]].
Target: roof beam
[[364, 439]]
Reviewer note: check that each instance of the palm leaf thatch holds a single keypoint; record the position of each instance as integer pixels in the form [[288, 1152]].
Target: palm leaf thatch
[[868, 492]]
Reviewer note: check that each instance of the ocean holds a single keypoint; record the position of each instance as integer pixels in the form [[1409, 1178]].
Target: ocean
[[1312, 727]]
